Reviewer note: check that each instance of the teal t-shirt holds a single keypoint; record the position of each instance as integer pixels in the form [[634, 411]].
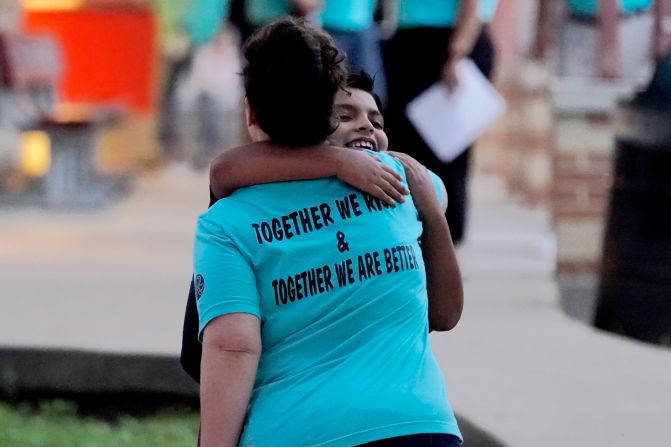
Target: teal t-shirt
[[589, 7], [203, 18], [260, 12], [338, 281], [438, 13], [348, 15]]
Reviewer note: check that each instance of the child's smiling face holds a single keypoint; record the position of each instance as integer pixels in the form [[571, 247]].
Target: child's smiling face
[[361, 124]]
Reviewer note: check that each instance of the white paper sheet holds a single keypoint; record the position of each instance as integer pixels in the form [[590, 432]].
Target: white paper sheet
[[450, 121]]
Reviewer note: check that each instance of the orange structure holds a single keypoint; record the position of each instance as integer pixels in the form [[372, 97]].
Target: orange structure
[[109, 53]]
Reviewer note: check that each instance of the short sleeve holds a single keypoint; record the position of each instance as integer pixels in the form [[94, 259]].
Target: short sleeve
[[439, 187], [224, 280]]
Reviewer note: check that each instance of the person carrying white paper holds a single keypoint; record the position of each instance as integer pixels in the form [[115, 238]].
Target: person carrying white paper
[[432, 37], [451, 120]]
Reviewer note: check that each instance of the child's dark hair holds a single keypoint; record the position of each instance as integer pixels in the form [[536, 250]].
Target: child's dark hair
[[292, 72], [364, 81]]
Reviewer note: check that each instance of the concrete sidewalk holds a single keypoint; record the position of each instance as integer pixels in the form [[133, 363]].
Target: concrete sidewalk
[[111, 280], [526, 372], [115, 281]]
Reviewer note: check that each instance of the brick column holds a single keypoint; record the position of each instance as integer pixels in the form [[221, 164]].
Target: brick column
[[518, 147], [584, 142], [534, 135], [585, 95]]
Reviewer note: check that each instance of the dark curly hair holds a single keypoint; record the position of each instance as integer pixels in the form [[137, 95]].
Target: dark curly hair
[[292, 72], [364, 81]]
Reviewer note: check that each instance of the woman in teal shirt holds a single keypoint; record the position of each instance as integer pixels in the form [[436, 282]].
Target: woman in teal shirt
[[588, 8], [432, 36], [257, 13], [300, 346]]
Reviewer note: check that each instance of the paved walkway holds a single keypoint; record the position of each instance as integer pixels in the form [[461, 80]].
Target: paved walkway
[[526, 372], [114, 281]]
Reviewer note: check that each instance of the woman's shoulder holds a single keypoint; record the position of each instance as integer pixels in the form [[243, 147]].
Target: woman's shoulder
[[390, 161]]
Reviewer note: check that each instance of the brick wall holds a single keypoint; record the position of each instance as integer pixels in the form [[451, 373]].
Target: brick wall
[[518, 147], [582, 179], [584, 129]]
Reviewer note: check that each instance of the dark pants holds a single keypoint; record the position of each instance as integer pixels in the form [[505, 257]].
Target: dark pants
[[168, 133], [414, 60], [420, 440]]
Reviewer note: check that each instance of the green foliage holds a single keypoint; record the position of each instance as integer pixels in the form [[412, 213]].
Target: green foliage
[[57, 424]]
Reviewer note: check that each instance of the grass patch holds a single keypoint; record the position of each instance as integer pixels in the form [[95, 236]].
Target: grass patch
[[58, 424]]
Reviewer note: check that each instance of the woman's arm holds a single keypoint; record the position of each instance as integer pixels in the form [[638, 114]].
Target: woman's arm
[[444, 287], [231, 350], [266, 163], [446, 295], [466, 30]]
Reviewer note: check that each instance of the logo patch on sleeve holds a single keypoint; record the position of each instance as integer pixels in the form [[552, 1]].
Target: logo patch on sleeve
[[199, 285]]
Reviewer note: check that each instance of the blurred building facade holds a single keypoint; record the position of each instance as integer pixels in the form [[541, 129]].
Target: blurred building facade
[[603, 60], [110, 56], [65, 65], [564, 68]]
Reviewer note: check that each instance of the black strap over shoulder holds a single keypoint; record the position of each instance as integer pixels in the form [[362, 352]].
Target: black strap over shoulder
[[192, 350]]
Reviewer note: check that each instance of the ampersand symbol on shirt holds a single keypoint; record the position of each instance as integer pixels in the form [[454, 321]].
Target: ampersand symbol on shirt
[[342, 245]]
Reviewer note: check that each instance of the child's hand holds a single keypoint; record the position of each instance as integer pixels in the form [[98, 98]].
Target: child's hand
[[364, 171], [421, 186]]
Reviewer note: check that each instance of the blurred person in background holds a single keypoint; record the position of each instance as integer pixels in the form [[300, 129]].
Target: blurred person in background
[[432, 37], [611, 39], [186, 26], [587, 9], [351, 24], [261, 12], [354, 361], [209, 99]]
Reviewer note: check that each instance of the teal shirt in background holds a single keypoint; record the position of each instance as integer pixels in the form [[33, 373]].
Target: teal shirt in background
[[170, 17], [589, 7], [348, 15], [486, 10], [203, 18], [438, 13], [260, 12], [338, 281]]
